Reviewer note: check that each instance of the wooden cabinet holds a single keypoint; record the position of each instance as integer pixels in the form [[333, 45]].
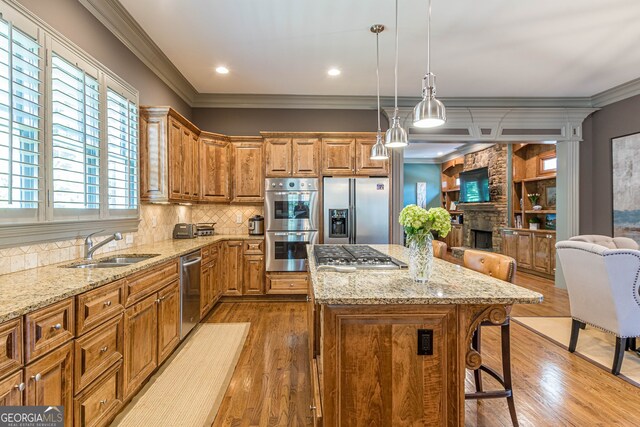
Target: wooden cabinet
[[278, 160], [364, 164], [455, 238], [49, 381], [98, 305], [11, 389], [140, 343], [10, 346], [215, 166], [48, 328], [338, 156], [169, 153], [210, 281], [287, 283], [295, 157], [253, 273], [247, 170], [534, 251], [149, 281], [168, 320], [232, 268], [99, 403]]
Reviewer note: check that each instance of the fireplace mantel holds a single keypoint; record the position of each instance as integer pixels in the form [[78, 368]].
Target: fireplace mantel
[[488, 206]]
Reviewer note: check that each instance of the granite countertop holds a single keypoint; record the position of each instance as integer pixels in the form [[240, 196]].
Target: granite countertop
[[449, 284], [28, 290]]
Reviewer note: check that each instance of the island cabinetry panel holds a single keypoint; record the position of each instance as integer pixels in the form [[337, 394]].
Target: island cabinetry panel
[[248, 170], [215, 165], [10, 346], [371, 371], [49, 381]]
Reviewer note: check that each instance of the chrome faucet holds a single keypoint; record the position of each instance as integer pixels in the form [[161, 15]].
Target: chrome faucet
[[90, 248]]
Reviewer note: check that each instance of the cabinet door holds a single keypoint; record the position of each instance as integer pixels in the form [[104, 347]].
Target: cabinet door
[[232, 271], [140, 343], [194, 165], [187, 165], [10, 390], [524, 249], [338, 156], [10, 346], [510, 244], [205, 290], [175, 159], [168, 320], [277, 157], [49, 381], [541, 252], [215, 282], [248, 177], [306, 157], [215, 170], [253, 269], [364, 164]]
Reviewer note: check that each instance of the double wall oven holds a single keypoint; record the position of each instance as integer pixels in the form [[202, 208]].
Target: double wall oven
[[291, 216]]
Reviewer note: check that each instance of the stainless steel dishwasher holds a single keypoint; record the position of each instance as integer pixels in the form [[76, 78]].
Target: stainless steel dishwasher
[[189, 291]]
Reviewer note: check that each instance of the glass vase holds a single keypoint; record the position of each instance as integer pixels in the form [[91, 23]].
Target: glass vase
[[421, 258]]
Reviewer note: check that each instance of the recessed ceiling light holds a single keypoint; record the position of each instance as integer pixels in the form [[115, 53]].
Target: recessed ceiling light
[[334, 72], [222, 70], [440, 153]]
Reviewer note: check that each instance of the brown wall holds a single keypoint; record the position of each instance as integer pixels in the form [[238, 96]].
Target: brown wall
[[614, 120], [76, 23], [250, 121]]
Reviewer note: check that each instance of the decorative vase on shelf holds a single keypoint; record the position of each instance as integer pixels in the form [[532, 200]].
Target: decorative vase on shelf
[[421, 258], [537, 208], [418, 224], [533, 225]]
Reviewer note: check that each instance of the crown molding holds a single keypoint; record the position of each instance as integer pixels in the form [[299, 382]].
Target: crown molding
[[617, 93], [115, 17]]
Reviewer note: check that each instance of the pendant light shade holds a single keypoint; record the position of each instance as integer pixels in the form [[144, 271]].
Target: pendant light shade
[[378, 151], [429, 112], [396, 136]]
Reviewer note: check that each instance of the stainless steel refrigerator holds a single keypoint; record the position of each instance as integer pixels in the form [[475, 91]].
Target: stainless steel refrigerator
[[356, 210]]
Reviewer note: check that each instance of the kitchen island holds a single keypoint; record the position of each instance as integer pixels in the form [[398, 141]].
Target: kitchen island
[[388, 351]]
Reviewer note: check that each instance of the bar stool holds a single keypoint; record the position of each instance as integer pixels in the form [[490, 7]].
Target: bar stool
[[439, 249], [501, 267]]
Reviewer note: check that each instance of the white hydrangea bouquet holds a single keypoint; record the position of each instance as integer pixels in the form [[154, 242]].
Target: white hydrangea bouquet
[[418, 224]]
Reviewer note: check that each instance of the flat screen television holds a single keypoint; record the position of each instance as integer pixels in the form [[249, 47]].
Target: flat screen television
[[474, 186]]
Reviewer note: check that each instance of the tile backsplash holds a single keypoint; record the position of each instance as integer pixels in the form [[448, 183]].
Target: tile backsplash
[[156, 224]]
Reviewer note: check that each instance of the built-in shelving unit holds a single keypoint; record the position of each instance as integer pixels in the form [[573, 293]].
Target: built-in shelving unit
[[451, 183]]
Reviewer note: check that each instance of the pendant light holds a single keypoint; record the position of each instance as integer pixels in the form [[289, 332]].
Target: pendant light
[[378, 151], [429, 112], [396, 136]]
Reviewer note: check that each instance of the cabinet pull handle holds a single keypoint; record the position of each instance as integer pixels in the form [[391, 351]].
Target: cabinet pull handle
[[57, 326], [37, 377], [312, 407], [103, 349], [107, 303], [20, 386], [104, 401]]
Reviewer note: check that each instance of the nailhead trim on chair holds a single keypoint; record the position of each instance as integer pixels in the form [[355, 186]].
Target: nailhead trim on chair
[[600, 328]]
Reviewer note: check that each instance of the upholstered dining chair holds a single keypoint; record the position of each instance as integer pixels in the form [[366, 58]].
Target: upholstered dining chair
[[504, 268], [602, 282], [439, 249]]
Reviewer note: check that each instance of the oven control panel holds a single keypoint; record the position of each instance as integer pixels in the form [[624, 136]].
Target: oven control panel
[[291, 184]]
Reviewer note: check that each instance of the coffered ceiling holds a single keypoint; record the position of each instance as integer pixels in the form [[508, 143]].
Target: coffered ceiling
[[491, 48]]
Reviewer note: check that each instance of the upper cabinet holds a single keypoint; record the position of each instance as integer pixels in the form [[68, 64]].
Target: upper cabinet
[[351, 156], [215, 167], [247, 169], [169, 152], [292, 157]]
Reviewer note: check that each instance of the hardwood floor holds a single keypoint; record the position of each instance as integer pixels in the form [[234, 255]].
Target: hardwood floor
[[552, 387]]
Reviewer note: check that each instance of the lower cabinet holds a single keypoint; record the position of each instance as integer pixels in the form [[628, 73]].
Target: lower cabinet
[[168, 320], [11, 389], [232, 271], [534, 251], [243, 268], [210, 282], [287, 283], [101, 401], [454, 238], [49, 381], [253, 272]]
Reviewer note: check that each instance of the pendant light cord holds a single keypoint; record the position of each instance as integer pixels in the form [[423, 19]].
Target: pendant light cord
[[429, 39], [378, 77], [395, 112]]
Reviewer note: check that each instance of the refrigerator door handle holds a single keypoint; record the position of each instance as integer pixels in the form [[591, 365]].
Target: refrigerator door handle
[[352, 198]]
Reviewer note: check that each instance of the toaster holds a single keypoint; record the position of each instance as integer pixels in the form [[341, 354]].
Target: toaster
[[185, 231]]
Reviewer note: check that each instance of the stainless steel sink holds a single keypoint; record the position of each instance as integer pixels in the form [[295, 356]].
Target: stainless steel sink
[[112, 262]]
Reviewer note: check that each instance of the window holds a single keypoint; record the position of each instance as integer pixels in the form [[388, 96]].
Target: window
[[68, 138], [20, 121], [548, 163]]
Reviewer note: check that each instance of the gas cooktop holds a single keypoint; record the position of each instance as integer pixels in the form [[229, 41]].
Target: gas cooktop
[[353, 257]]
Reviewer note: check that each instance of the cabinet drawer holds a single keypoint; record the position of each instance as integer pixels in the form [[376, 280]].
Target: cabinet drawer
[[94, 307], [101, 401], [96, 351], [253, 247], [10, 346], [48, 328], [149, 281], [286, 283]]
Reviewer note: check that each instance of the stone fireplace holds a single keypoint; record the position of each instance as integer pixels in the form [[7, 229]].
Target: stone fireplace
[[481, 239]]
